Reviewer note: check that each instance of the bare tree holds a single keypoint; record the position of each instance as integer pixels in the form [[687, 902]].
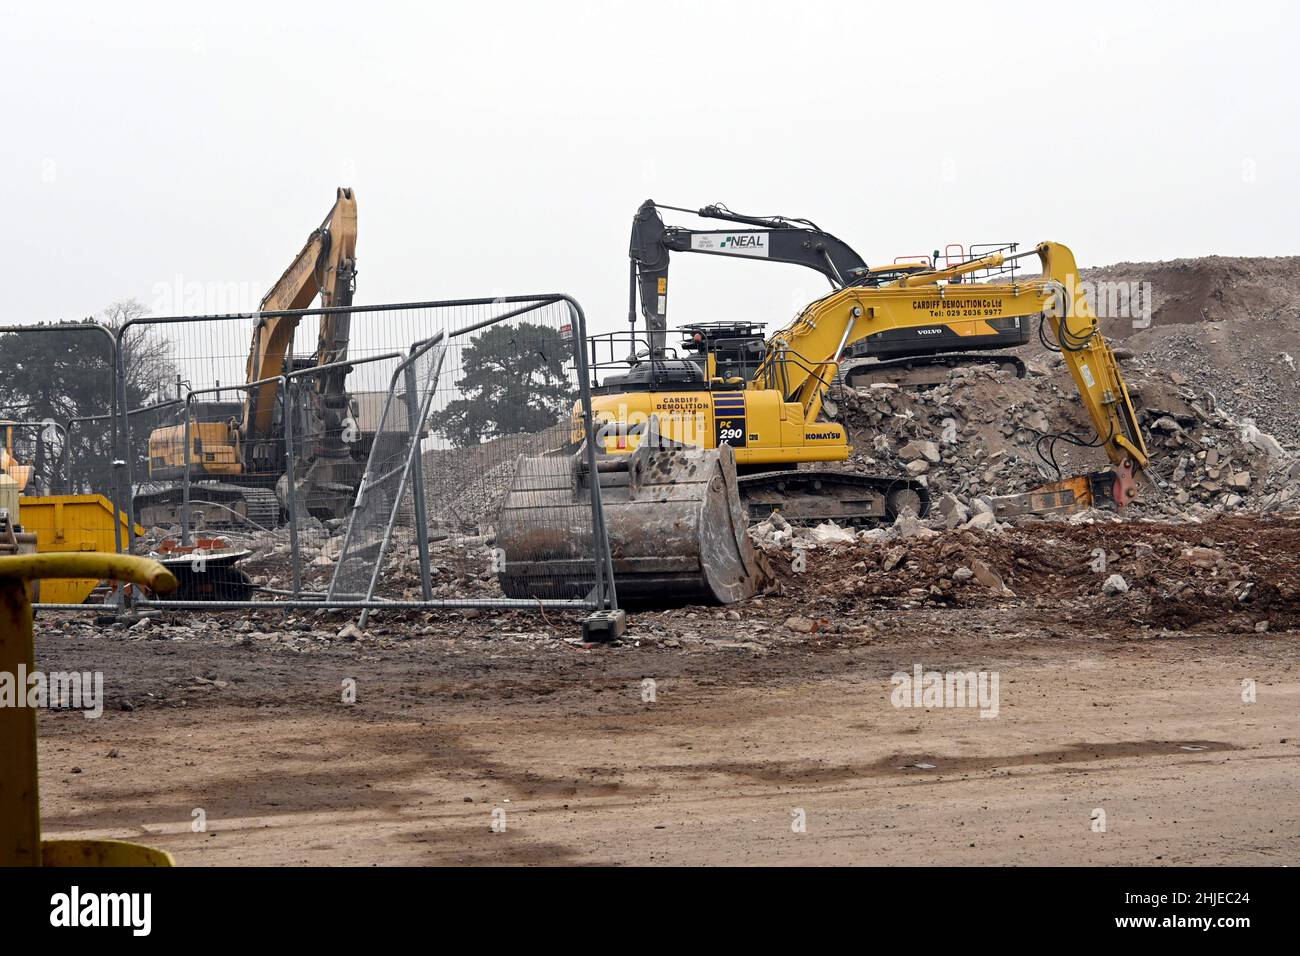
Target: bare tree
[[146, 353]]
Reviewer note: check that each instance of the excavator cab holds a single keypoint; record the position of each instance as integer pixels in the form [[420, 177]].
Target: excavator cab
[[214, 443], [728, 352]]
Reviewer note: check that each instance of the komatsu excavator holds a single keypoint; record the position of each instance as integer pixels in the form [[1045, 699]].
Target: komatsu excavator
[[694, 449], [236, 458], [910, 357]]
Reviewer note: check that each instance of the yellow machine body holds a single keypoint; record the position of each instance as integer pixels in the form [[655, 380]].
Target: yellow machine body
[[759, 426], [214, 451]]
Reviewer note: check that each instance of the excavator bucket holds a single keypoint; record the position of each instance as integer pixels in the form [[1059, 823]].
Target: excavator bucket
[[675, 523]]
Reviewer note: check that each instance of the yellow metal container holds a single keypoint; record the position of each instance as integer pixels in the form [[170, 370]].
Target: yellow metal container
[[81, 523]]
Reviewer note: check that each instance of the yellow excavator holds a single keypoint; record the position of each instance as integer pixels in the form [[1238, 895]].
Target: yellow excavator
[[236, 457], [911, 356], [692, 450]]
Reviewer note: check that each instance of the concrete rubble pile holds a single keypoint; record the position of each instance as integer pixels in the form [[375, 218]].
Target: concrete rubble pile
[[982, 434], [1234, 571]]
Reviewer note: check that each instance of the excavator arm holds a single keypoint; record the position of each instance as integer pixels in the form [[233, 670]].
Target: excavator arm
[[775, 239], [325, 266], [801, 359]]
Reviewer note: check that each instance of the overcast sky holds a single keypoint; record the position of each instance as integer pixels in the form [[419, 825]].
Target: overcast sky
[[503, 148]]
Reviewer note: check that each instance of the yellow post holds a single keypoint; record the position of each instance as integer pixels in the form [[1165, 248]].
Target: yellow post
[[20, 812]]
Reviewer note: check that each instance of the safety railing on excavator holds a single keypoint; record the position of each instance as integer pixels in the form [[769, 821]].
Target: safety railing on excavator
[[1006, 272], [619, 350], [955, 254]]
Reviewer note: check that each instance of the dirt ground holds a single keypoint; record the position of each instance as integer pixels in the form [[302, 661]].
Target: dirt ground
[[706, 739]]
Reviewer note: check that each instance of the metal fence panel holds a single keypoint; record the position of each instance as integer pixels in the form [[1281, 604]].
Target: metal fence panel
[[65, 372], [497, 447], [267, 470]]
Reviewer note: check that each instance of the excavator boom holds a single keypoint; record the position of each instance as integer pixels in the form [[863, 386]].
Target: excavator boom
[[326, 266], [776, 239], [237, 450], [801, 359]]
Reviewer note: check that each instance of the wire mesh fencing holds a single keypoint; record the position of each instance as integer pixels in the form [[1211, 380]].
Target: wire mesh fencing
[[433, 460], [264, 464], [33, 454], [63, 374], [471, 495], [507, 514]]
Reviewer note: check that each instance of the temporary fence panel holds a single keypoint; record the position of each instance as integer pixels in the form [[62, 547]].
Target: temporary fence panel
[[381, 471], [478, 431], [65, 372]]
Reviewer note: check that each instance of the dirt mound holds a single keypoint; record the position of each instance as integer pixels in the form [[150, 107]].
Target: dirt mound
[[1228, 326], [1247, 366], [1209, 289], [1234, 573]]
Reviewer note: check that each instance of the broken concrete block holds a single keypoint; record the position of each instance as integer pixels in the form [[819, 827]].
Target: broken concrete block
[[1115, 584], [986, 576], [892, 559], [908, 525], [983, 521], [1265, 442], [920, 449], [953, 509], [828, 532]]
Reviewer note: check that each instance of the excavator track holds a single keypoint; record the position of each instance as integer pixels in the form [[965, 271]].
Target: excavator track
[[212, 505], [923, 371], [812, 496]]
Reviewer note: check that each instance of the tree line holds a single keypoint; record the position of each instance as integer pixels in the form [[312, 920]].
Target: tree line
[[66, 377]]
